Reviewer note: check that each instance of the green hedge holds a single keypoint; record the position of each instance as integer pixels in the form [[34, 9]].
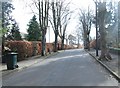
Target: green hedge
[[114, 50]]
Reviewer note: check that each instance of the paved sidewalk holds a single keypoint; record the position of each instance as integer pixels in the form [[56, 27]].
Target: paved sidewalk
[[113, 65], [25, 63]]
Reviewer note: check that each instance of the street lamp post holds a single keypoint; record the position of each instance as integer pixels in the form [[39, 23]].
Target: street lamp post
[[49, 33], [96, 30]]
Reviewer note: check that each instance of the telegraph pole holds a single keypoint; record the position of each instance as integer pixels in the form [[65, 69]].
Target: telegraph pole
[[49, 33], [96, 30], [119, 26]]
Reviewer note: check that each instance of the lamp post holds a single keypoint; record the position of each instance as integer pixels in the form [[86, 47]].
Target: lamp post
[[49, 33], [96, 30]]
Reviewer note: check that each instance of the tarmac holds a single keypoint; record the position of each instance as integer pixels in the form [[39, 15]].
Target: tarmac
[[111, 66], [25, 63]]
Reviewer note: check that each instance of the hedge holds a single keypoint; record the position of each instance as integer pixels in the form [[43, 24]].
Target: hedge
[[27, 49], [49, 47], [114, 50], [23, 48]]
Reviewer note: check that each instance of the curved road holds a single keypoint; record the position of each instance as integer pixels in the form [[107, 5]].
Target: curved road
[[68, 68]]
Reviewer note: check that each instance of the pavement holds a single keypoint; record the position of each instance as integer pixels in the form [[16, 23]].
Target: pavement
[[25, 63], [112, 66], [69, 68]]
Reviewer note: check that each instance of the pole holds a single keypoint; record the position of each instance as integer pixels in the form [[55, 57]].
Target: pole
[[118, 27], [49, 33], [96, 31]]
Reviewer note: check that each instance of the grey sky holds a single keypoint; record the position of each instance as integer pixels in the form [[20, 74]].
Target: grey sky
[[22, 14]]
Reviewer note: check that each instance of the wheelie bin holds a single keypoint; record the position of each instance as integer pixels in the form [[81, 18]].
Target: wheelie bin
[[11, 60]]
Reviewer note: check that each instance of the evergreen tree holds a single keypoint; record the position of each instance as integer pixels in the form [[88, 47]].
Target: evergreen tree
[[9, 23], [7, 19], [34, 32], [14, 33]]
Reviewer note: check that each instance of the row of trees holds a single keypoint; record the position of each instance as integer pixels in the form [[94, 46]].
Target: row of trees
[[106, 21], [57, 13]]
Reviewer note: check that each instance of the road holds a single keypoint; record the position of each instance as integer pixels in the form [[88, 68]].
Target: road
[[69, 68]]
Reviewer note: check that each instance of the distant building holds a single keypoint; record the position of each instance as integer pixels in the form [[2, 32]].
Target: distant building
[[23, 35], [72, 40]]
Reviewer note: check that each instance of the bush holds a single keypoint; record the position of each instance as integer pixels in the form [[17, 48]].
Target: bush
[[36, 47], [49, 47], [23, 48], [27, 49], [115, 50]]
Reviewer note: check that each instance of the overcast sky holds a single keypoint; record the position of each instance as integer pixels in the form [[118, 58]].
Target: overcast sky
[[22, 14]]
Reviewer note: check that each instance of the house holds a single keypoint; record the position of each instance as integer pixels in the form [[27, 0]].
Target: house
[[23, 35]]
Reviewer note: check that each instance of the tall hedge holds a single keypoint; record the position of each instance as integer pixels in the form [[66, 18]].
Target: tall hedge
[[27, 49], [23, 48]]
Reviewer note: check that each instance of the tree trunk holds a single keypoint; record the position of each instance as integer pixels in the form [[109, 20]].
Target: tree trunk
[[104, 51], [3, 26], [62, 44], [88, 43], [56, 40], [2, 50], [43, 19], [78, 43], [43, 43], [85, 41]]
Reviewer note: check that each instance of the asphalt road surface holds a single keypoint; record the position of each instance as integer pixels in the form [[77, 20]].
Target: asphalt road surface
[[68, 68]]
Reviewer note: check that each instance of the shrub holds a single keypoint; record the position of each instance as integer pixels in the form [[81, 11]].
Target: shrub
[[49, 47], [36, 47], [23, 48], [27, 49]]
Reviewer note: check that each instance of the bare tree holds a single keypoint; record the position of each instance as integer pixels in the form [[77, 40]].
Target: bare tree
[[78, 34], [60, 19], [56, 11], [101, 22], [63, 28], [65, 17], [85, 19], [43, 19], [42, 7]]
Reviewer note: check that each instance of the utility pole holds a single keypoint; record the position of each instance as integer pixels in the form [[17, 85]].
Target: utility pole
[[49, 33], [118, 26], [96, 30]]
